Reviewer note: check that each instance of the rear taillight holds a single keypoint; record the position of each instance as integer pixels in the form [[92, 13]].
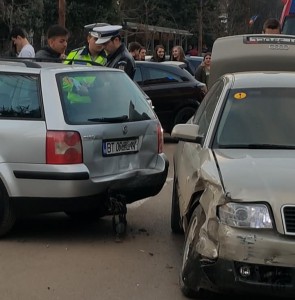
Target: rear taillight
[[63, 147], [160, 138]]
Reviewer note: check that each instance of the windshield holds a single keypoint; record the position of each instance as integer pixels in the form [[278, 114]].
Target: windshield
[[102, 97], [260, 118], [289, 26]]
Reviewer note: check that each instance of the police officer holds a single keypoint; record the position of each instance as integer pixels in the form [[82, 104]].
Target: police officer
[[91, 52], [118, 55]]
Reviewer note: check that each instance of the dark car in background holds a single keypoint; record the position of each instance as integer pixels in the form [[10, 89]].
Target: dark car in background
[[194, 61], [175, 93]]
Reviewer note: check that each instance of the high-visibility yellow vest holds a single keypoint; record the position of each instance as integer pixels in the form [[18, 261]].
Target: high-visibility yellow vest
[[77, 56], [73, 86], [81, 56]]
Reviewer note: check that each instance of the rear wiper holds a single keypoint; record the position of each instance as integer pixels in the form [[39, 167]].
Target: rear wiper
[[118, 119], [256, 146]]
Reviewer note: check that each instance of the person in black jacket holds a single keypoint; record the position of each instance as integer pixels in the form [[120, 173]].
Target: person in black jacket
[[118, 55], [57, 40]]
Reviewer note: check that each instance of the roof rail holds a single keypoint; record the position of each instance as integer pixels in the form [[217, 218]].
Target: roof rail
[[28, 63], [32, 62]]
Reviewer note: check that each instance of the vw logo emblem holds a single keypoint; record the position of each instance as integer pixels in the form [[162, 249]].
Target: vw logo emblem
[[125, 129]]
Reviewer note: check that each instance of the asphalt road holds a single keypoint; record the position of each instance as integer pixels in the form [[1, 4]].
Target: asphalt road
[[53, 257]]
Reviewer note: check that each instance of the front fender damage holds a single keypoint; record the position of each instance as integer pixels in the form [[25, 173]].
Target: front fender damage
[[208, 181]]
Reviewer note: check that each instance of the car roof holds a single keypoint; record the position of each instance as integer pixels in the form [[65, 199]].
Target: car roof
[[170, 66], [173, 62], [259, 52], [267, 79], [30, 63], [149, 57], [193, 57], [170, 63]]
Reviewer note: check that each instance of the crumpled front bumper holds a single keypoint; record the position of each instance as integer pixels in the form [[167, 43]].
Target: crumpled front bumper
[[225, 276]]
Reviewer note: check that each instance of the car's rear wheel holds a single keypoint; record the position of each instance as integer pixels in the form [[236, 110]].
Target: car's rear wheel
[[189, 255], [184, 115], [175, 212], [7, 214]]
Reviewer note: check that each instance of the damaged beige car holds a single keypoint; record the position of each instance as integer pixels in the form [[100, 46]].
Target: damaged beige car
[[234, 174]]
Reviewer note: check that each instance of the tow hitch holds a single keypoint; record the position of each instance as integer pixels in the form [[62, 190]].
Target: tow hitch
[[118, 208]]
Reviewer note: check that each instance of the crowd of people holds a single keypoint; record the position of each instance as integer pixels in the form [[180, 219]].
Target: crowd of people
[[104, 46]]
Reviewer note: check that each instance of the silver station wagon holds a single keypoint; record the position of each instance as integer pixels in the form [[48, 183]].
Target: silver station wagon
[[234, 173], [78, 139]]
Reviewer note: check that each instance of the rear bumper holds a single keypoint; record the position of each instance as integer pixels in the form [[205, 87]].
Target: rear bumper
[[75, 182]]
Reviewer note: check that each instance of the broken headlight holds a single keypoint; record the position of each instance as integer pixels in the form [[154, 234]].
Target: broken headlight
[[245, 215]]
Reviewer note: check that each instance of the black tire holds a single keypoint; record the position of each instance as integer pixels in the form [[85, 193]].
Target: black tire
[[7, 214], [193, 229], [175, 212], [184, 115]]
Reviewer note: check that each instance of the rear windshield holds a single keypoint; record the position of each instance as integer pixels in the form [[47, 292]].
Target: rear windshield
[[258, 118], [102, 97]]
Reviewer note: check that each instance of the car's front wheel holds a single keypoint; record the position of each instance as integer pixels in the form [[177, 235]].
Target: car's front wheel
[[188, 255], [7, 214]]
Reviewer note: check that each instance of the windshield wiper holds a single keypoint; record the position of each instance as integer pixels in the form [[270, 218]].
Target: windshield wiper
[[118, 119], [255, 146]]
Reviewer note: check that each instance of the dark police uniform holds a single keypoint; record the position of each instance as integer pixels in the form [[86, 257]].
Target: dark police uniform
[[121, 58]]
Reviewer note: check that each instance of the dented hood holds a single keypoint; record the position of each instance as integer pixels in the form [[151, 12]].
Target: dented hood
[[258, 175]]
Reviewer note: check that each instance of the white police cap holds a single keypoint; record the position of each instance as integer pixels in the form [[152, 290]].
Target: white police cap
[[89, 27], [105, 33]]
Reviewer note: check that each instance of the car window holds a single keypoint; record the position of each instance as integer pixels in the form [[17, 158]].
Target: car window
[[289, 26], [195, 62], [19, 96], [156, 76], [212, 91], [208, 105], [102, 97], [259, 117], [138, 75]]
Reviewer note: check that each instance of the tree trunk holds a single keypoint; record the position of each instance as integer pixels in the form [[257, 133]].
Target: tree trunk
[[62, 13]]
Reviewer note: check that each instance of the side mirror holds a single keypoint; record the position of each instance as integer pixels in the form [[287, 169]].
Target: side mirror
[[187, 133]]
